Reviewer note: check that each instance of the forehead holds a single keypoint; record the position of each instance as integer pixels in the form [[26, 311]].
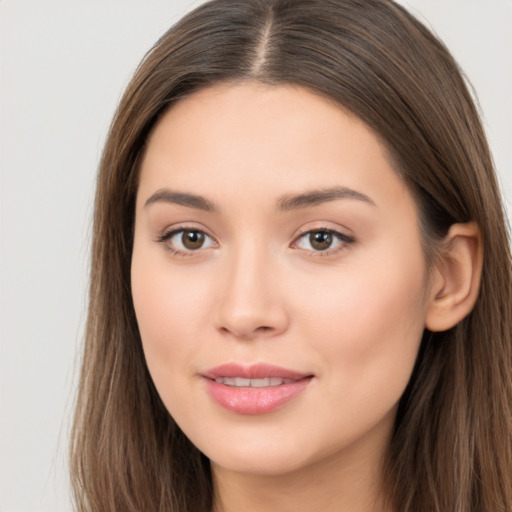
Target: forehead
[[250, 138]]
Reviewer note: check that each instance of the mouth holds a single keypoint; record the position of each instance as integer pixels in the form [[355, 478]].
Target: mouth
[[255, 375], [255, 389], [240, 382]]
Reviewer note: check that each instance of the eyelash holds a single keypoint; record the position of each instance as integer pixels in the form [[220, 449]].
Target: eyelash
[[342, 239], [167, 236]]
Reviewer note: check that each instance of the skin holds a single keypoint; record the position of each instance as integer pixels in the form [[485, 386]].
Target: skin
[[257, 290]]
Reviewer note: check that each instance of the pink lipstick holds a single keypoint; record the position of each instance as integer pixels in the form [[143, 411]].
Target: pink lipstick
[[255, 389]]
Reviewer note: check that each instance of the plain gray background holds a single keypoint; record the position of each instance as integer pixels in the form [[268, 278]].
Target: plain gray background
[[63, 68]]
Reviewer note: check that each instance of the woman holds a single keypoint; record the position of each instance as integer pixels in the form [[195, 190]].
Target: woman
[[301, 276]]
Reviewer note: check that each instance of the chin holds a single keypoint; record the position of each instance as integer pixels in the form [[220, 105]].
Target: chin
[[255, 450], [260, 462]]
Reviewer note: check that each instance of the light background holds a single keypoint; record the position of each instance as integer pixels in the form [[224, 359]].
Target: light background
[[63, 68]]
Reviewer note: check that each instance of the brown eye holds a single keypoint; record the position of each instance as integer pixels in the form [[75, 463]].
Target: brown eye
[[323, 241], [320, 240], [192, 239], [183, 241]]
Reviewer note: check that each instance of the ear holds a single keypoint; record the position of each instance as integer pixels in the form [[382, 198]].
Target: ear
[[456, 277]]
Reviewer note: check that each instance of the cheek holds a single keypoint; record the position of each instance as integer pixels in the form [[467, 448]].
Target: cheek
[[170, 313], [368, 326]]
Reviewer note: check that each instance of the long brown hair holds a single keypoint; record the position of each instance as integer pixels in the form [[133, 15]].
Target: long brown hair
[[452, 446]]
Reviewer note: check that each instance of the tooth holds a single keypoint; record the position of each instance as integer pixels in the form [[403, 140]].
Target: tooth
[[241, 382], [260, 383]]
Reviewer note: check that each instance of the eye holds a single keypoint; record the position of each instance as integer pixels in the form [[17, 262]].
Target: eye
[[324, 241], [183, 241]]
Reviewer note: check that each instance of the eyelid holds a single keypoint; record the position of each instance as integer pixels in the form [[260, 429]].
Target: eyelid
[[172, 231], [343, 238]]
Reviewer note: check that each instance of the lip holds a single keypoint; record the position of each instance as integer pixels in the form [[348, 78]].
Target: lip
[[254, 371], [260, 400]]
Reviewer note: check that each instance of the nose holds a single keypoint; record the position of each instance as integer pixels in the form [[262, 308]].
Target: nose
[[250, 304]]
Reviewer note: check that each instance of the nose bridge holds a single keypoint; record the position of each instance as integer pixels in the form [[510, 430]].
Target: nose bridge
[[249, 304]]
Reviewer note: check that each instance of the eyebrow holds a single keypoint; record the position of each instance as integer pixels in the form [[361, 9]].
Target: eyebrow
[[165, 195], [317, 197], [285, 203]]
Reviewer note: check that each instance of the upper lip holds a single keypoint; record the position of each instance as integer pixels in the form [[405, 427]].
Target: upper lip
[[253, 371]]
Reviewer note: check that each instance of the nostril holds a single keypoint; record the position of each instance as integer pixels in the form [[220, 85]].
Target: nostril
[[246, 316], [247, 333]]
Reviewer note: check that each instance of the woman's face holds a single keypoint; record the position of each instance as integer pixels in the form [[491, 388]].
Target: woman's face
[[278, 278]]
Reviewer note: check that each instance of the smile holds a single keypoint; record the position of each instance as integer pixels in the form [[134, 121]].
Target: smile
[[240, 382], [255, 389]]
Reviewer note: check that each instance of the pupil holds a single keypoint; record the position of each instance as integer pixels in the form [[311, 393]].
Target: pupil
[[320, 240], [192, 239]]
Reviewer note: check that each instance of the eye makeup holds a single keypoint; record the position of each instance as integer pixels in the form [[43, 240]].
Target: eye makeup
[[186, 241]]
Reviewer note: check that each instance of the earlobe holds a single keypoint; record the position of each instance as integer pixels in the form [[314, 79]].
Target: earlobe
[[456, 277]]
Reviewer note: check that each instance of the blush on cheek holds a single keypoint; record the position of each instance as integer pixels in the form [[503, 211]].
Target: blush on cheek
[[167, 316], [373, 328]]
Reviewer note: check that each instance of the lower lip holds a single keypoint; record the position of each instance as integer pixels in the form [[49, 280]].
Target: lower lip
[[255, 400]]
